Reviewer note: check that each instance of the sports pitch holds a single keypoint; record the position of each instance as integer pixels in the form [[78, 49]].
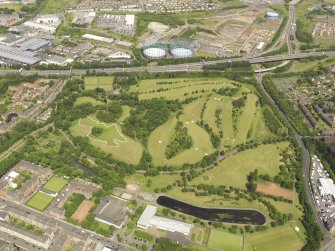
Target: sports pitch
[[40, 201], [55, 184], [225, 241], [103, 82]]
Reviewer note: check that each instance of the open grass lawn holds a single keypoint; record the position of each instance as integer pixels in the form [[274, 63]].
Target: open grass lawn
[[159, 181], [104, 82], [83, 100], [276, 239], [233, 171], [111, 140], [178, 87], [56, 6], [225, 241], [15, 7], [55, 184], [40, 201]]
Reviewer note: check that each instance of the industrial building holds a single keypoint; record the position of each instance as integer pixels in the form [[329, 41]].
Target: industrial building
[[149, 219], [111, 211], [33, 44], [15, 55], [327, 187], [44, 23], [98, 38]]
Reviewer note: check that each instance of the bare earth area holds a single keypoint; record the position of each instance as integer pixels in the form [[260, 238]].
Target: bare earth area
[[82, 211], [274, 189]]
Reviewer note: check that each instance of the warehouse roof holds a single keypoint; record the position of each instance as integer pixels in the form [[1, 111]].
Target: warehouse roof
[[34, 44], [18, 55], [171, 225], [148, 213]]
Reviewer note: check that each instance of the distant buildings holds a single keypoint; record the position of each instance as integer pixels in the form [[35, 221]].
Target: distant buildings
[[149, 219], [44, 23]]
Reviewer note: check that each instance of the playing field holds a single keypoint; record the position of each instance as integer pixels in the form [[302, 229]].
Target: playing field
[[83, 210], [111, 140], [103, 82], [276, 239], [55, 184], [234, 170], [225, 241], [40, 201], [83, 100]]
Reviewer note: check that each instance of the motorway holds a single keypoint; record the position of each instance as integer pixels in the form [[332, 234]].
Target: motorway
[[197, 66]]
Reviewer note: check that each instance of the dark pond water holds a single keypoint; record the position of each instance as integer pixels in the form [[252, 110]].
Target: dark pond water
[[236, 216]]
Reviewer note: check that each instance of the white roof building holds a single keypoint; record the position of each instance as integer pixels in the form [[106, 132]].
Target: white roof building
[[13, 174], [148, 213], [119, 55], [98, 38], [149, 219], [327, 186], [40, 27], [130, 20]]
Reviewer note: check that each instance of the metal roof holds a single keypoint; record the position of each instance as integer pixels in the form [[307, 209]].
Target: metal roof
[[18, 55], [146, 216], [33, 44]]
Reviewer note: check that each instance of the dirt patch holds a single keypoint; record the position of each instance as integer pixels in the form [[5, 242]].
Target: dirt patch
[[133, 187], [158, 27], [3, 192], [82, 211], [274, 189]]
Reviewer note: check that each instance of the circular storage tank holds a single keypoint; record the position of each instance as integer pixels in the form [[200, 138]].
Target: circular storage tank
[[182, 52], [272, 15], [155, 51]]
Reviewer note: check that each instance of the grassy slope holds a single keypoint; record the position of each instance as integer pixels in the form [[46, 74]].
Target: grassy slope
[[233, 171], [275, 239]]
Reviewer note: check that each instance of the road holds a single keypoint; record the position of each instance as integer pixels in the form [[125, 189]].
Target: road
[[67, 228], [329, 242], [197, 66]]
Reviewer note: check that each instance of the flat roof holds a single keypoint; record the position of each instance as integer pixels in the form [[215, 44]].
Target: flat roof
[[33, 44], [171, 225], [112, 211], [18, 55], [147, 215]]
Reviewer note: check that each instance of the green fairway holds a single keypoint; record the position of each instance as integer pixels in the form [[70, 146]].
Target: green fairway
[[233, 171], [275, 239], [225, 241], [83, 100], [40, 201], [111, 140], [55, 184], [103, 82], [202, 145], [178, 88]]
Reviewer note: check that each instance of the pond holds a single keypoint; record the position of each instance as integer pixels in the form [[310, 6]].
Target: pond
[[225, 215]]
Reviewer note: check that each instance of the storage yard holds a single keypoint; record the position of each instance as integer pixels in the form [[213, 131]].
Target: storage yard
[[324, 193]]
